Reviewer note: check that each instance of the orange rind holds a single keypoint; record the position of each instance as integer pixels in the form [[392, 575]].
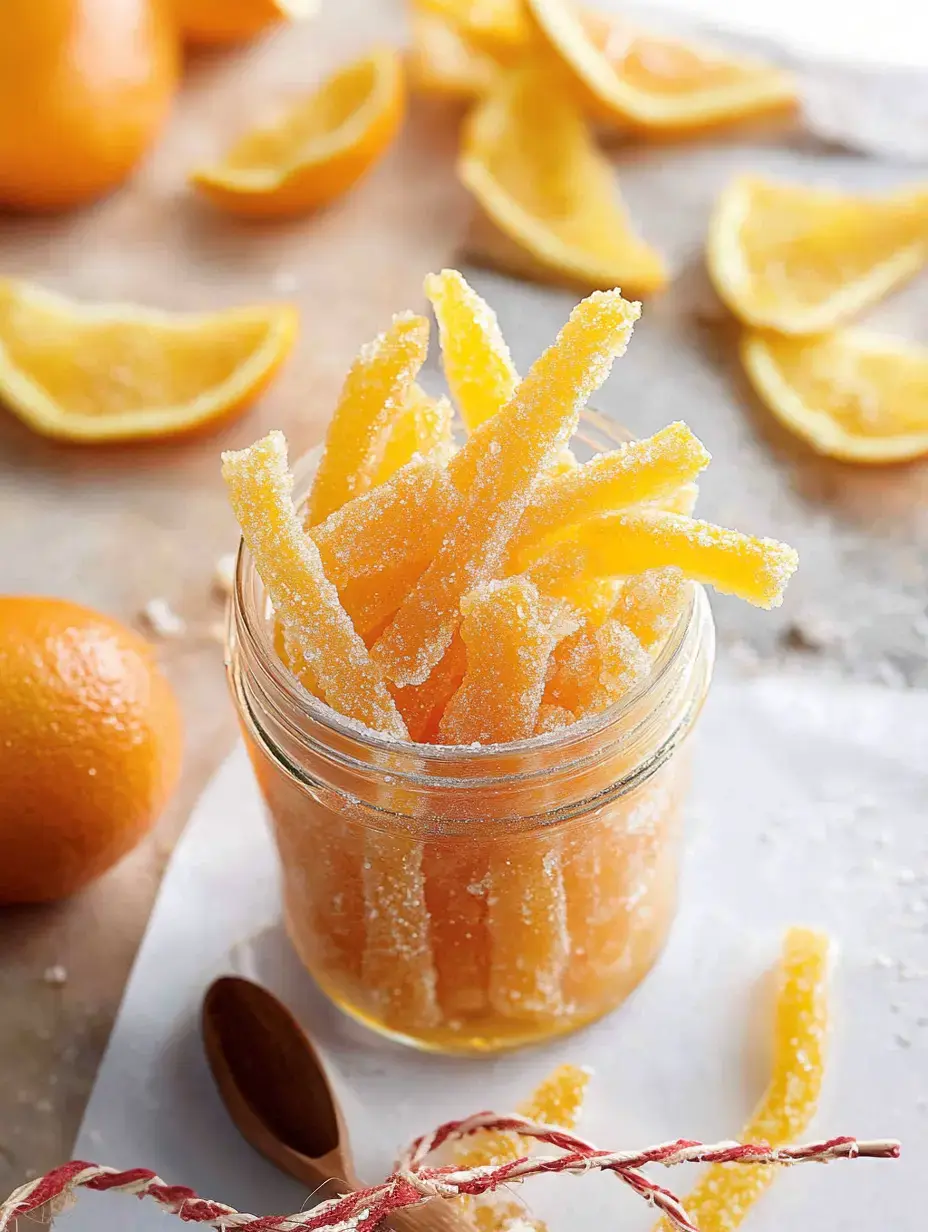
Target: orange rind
[[851, 395], [800, 260], [318, 150], [500, 28], [91, 373], [530, 161], [219, 23], [443, 62]]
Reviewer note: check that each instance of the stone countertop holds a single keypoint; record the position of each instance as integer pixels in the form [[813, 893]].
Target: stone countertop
[[115, 528]]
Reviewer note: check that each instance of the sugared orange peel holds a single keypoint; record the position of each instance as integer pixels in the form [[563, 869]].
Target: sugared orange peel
[[372, 398], [726, 1192], [624, 544], [422, 429], [595, 667], [520, 441], [260, 489]]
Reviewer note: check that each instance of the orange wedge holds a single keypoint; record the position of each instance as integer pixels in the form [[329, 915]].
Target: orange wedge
[[531, 162], [653, 83], [214, 23], [800, 260], [499, 27], [318, 150], [443, 62], [117, 372], [853, 395]]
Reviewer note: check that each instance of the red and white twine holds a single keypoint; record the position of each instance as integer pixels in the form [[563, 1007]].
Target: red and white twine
[[414, 1183]]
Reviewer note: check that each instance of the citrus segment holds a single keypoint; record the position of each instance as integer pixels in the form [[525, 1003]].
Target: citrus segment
[[653, 83], [318, 150], [111, 372], [371, 399], [639, 471], [289, 564], [530, 161], [850, 394], [726, 1192], [443, 62], [422, 428], [522, 439], [499, 27], [800, 259], [211, 23], [476, 360], [509, 632], [90, 745], [624, 544]]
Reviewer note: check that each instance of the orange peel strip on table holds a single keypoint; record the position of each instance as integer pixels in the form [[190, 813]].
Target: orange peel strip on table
[[726, 1192], [522, 439], [373, 395], [260, 489]]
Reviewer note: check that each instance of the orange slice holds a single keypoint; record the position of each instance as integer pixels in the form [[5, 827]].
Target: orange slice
[[853, 395], [531, 162], [499, 27], [653, 83], [799, 259], [443, 62], [726, 1192], [213, 23], [318, 150], [119, 372]]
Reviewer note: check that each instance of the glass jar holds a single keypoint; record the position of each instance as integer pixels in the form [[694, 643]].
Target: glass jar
[[473, 899]]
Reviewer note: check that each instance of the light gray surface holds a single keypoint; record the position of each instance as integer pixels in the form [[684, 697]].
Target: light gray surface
[[808, 807]]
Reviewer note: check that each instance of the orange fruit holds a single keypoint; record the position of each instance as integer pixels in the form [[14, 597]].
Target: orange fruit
[[498, 27], [443, 62], [84, 88], [90, 746], [850, 394], [213, 23], [655, 84], [117, 372], [319, 149]]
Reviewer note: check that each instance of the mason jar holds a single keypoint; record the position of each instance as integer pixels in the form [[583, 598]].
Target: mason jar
[[473, 899]]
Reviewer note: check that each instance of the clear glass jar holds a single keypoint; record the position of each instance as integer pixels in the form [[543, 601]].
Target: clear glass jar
[[473, 900]]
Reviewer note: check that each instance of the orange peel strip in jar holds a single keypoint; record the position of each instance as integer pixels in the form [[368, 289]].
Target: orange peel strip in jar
[[476, 360], [725, 1193], [422, 705], [641, 471], [421, 429], [624, 544], [260, 489], [522, 439], [596, 668], [373, 394], [651, 604]]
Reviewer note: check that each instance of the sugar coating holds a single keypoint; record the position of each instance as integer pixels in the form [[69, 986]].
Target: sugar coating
[[724, 1195], [527, 434], [373, 395], [476, 360], [639, 471], [422, 428], [596, 667], [552, 718], [422, 705], [336, 660], [651, 604]]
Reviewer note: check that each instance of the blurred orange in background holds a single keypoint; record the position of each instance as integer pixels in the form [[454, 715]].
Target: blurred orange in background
[[85, 86], [211, 23]]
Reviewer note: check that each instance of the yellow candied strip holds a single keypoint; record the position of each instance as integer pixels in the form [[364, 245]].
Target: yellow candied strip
[[726, 1192], [373, 394], [422, 705], [595, 667], [336, 660], [651, 604], [520, 441], [422, 428], [640, 471], [477, 364], [624, 544]]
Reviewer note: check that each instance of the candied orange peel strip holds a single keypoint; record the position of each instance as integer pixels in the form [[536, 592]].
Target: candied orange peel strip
[[519, 442], [373, 395], [421, 429], [476, 360], [640, 471], [651, 604], [336, 660], [594, 668], [624, 544], [726, 1193]]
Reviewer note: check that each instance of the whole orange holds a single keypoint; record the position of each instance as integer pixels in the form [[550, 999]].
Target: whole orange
[[84, 88], [90, 745]]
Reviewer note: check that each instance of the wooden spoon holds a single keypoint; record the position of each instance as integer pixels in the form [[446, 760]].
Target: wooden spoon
[[278, 1094]]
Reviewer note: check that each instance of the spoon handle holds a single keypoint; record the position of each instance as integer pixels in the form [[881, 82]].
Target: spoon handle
[[439, 1215]]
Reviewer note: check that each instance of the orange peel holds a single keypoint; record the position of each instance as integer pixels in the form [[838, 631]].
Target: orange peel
[[216, 23], [443, 62]]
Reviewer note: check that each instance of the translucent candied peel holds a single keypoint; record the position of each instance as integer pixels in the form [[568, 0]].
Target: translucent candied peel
[[726, 1192], [422, 705], [522, 439], [476, 360], [596, 667], [373, 396], [651, 604], [337, 662], [422, 429]]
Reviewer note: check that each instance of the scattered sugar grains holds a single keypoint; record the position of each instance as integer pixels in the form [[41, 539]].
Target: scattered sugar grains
[[56, 975], [224, 574], [162, 620]]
